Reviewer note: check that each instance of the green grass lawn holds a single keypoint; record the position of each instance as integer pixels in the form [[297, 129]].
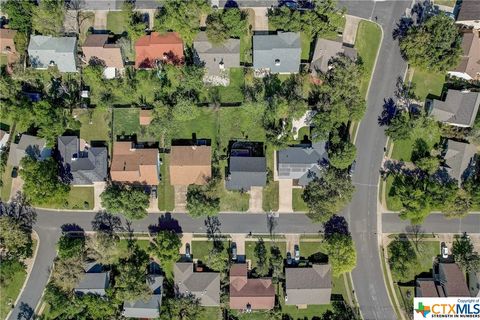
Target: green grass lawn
[[246, 41], [393, 203], [250, 249], [367, 43], [10, 292], [95, 124], [306, 42], [210, 313], [116, 21], [166, 192], [126, 121], [448, 3], [297, 202], [402, 150], [310, 248], [6, 188], [81, 198], [204, 126], [233, 200], [3, 59], [201, 249], [428, 83], [233, 93], [270, 196]]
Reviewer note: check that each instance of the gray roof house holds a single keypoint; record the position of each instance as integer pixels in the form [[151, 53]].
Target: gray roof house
[[306, 286], [149, 309], [325, 50], [28, 145], [204, 285], [459, 108], [216, 59], [83, 164], [278, 53], [459, 160], [246, 172], [115, 5], [45, 51], [302, 163], [94, 281]]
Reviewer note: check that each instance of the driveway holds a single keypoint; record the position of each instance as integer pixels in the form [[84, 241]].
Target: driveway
[[256, 200], [98, 188], [292, 240], [100, 22], [261, 19], [285, 190], [186, 238], [180, 198], [350, 30], [17, 186]]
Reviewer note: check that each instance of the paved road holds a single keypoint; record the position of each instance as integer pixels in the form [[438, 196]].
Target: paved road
[[436, 223], [362, 213], [49, 224]]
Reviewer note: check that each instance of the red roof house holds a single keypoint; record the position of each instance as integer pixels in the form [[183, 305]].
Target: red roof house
[[158, 46]]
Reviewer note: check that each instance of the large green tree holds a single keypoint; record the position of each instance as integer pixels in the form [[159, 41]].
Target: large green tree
[[200, 202], [465, 255], [182, 307], [131, 282], [165, 246], [19, 14], [218, 259], [434, 44], [342, 154], [14, 241], [327, 194], [402, 258], [70, 245], [48, 16], [341, 253], [44, 173], [225, 24], [126, 200], [52, 121], [262, 258], [68, 272], [103, 247]]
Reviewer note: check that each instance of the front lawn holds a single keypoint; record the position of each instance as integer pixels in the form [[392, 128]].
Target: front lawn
[[6, 188], [369, 37], [79, 198], [116, 21], [166, 192], [270, 196], [250, 249], [402, 150], [201, 249], [95, 124], [393, 203], [234, 201], [297, 202], [428, 83]]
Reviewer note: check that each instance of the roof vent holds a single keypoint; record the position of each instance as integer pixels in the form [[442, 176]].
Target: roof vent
[[277, 62]]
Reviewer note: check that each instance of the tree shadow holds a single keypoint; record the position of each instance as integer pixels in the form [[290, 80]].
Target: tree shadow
[[26, 312], [20, 211], [388, 113], [106, 222], [165, 222], [72, 228], [336, 225]]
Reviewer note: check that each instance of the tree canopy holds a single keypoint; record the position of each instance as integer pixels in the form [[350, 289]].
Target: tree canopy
[[182, 307], [225, 24], [262, 258], [341, 253], [19, 15], [165, 246], [126, 200], [48, 16], [434, 44], [465, 255], [200, 202], [14, 241], [402, 258]]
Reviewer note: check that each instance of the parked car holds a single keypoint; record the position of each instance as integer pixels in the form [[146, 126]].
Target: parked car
[[351, 170], [234, 251], [289, 258], [444, 250], [296, 253], [14, 172], [153, 192], [187, 251]]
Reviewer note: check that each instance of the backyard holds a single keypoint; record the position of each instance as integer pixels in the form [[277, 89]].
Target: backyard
[[126, 122], [95, 124], [6, 188], [233, 93], [367, 42]]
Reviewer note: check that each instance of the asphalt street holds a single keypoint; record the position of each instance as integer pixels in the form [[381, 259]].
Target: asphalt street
[[434, 223], [362, 213]]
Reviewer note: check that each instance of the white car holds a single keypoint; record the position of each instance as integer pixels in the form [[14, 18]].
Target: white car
[[444, 250]]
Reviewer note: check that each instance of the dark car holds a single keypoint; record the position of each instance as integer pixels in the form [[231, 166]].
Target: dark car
[[289, 258], [14, 172], [187, 251]]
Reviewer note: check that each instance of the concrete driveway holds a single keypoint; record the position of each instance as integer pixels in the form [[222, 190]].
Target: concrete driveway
[[350, 30], [180, 198], [256, 200], [292, 240], [100, 22], [285, 187], [98, 188], [186, 238], [261, 19], [17, 186]]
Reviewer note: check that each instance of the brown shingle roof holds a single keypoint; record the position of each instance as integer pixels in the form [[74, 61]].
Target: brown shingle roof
[[156, 46], [469, 10], [258, 293], [96, 45], [134, 165], [427, 288], [453, 280], [190, 165], [145, 117], [470, 62], [308, 285]]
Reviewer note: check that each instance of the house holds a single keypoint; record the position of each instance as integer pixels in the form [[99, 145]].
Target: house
[[469, 13], [448, 281], [301, 163], [83, 164], [166, 47], [28, 146], [305, 286], [277, 53], [325, 50], [216, 58], [7, 44], [459, 108], [474, 284], [245, 171], [250, 294], [48, 51], [469, 66], [149, 309], [459, 160], [190, 165], [203, 285], [4, 136], [145, 117], [97, 47], [134, 165], [94, 280]]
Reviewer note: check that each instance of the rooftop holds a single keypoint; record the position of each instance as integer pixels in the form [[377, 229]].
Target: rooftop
[[280, 53], [308, 285], [204, 285], [190, 165], [158, 46], [459, 108], [459, 159]]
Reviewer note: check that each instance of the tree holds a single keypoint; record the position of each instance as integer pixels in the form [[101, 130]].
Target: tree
[[276, 263], [126, 200], [10, 268], [97, 307], [182, 16], [43, 173], [433, 45], [185, 110], [68, 272], [327, 194], [463, 251], [201, 203], [400, 127], [165, 247], [14, 241], [182, 307], [225, 24], [459, 206], [52, 121], [135, 24], [131, 282], [218, 259], [70, 246], [48, 16], [103, 247], [19, 15], [341, 311], [261, 255], [429, 164], [341, 253], [341, 155], [402, 258]]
